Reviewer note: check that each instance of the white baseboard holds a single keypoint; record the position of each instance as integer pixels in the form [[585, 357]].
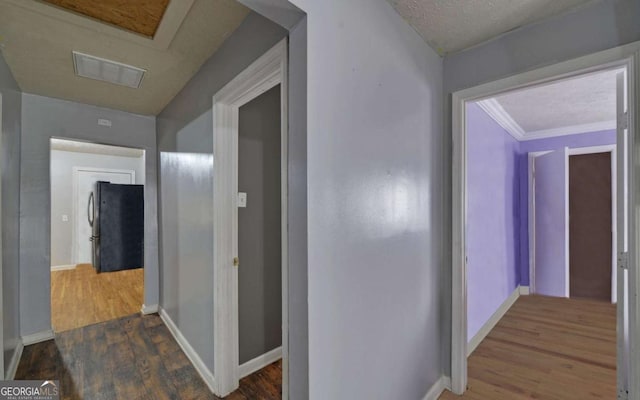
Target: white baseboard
[[152, 309], [260, 362], [436, 390], [10, 373], [63, 267], [195, 359], [38, 337], [494, 319], [524, 290]]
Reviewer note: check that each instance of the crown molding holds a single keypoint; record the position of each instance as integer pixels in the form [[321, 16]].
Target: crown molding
[[493, 108], [571, 130], [495, 111]]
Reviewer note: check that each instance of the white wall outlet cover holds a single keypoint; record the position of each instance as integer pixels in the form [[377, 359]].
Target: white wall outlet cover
[[65, 218], [242, 199]]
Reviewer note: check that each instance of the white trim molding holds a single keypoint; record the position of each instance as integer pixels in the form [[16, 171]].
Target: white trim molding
[[436, 390], [260, 362], [10, 373], [570, 130], [38, 337], [495, 110], [264, 74], [192, 355], [55, 268], [502, 117], [495, 318], [152, 309]]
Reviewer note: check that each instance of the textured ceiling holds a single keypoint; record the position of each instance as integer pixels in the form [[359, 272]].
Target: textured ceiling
[[453, 25], [36, 40], [577, 105]]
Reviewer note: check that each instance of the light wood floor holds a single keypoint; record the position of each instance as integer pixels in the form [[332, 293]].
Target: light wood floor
[[80, 297], [547, 348]]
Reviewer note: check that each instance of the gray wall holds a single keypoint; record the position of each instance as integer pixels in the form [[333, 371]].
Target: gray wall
[[43, 118], [598, 26], [187, 247], [297, 242], [10, 167], [184, 127], [186, 121], [259, 226], [375, 169], [294, 19], [62, 163]]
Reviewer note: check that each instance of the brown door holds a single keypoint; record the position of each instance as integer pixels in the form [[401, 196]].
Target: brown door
[[590, 252]]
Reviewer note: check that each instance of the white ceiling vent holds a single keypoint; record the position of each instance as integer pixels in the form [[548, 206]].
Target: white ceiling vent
[[108, 71]]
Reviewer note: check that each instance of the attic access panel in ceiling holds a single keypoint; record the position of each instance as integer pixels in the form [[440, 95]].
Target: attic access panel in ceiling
[[139, 16]]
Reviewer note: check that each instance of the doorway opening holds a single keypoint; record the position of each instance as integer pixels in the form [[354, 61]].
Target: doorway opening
[[585, 198], [259, 233], [97, 233], [538, 158], [250, 223]]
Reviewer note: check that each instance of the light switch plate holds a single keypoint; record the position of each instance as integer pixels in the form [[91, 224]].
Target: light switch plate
[[242, 200]]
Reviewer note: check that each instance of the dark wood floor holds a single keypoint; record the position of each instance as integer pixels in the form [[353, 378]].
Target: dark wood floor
[[547, 348], [130, 358]]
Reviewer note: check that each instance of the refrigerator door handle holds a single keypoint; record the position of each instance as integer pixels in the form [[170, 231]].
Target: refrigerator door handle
[[90, 207]]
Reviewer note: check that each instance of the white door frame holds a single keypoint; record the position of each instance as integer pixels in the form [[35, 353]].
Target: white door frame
[[2, 371], [532, 221], [532, 217], [265, 73], [74, 201], [625, 56]]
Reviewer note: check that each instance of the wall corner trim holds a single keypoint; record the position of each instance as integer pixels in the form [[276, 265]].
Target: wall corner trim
[[191, 354], [38, 337], [260, 362], [495, 318], [436, 390], [152, 309], [15, 360]]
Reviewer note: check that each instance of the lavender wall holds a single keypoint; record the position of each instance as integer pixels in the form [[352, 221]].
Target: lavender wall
[[572, 141], [493, 217], [497, 210], [597, 26]]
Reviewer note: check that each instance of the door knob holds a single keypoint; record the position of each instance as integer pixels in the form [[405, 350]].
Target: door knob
[[236, 261]]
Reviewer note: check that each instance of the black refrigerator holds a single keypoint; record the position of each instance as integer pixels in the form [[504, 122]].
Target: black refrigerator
[[116, 215]]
